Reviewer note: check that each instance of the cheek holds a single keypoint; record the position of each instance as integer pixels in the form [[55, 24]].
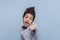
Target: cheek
[[30, 21], [24, 19]]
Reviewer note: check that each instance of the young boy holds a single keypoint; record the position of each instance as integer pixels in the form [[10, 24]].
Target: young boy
[[28, 31]]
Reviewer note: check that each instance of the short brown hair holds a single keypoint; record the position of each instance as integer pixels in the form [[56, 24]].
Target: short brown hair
[[30, 10]]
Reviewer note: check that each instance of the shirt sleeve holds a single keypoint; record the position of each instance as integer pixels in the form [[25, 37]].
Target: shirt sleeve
[[34, 34]]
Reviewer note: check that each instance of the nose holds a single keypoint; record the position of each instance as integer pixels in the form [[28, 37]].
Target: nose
[[27, 19]]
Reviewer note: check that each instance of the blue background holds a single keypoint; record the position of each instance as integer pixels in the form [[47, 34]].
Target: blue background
[[47, 18]]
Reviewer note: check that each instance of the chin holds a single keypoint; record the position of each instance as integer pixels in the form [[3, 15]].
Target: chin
[[26, 25]]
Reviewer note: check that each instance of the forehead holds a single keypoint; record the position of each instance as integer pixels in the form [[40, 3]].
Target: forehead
[[29, 15]]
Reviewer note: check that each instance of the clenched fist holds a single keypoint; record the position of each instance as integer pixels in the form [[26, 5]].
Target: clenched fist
[[32, 27]]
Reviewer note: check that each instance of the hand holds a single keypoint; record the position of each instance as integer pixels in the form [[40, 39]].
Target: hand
[[32, 27]]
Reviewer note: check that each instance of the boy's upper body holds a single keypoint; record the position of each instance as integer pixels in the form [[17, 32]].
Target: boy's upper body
[[28, 30]]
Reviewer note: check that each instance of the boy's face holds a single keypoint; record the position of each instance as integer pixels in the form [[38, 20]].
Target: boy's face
[[27, 19]]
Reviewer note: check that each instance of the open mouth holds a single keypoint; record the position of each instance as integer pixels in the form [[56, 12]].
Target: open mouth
[[26, 23]]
